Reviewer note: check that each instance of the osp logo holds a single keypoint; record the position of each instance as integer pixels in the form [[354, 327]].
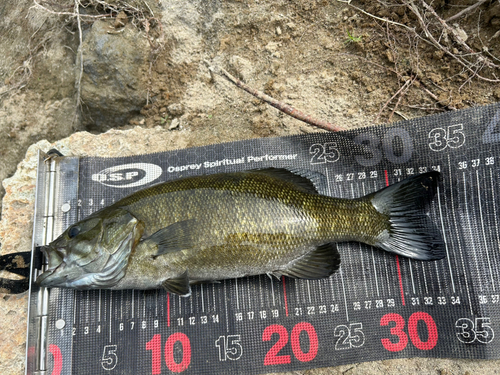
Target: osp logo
[[128, 175]]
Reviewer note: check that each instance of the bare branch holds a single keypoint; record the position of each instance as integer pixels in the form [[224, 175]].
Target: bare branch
[[466, 10], [288, 109]]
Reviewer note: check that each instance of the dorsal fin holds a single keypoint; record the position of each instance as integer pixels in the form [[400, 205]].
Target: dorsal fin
[[307, 180]]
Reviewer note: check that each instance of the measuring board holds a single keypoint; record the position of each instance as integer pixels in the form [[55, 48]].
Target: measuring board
[[377, 306]]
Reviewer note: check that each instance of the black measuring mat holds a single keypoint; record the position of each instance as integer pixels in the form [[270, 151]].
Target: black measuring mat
[[377, 306]]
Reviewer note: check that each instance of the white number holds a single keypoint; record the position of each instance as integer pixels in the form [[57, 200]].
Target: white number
[[479, 330], [349, 337], [452, 137], [109, 357], [229, 347]]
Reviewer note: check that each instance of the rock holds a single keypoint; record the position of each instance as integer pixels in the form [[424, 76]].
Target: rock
[[112, 88], [174, 124], [175, 109]]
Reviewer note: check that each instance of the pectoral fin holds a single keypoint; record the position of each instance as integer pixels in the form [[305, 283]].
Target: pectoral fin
[[178, 285], [175, 237], [319, 263]]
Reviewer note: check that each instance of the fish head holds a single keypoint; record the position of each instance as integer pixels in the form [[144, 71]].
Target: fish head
[[93, 253]]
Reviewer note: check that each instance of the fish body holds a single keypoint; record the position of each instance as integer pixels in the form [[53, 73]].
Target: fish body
[[230, 225]]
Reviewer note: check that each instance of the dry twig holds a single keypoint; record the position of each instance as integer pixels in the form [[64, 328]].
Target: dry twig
[[466, 10], [286, 108]]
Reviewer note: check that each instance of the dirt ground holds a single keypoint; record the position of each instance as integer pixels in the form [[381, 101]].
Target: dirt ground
[[329, 58], [354, 64]]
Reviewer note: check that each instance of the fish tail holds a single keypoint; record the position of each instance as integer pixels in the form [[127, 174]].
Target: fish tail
[[411, 232]]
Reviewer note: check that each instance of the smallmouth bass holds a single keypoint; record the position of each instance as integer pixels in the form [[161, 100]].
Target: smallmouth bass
[[229, 225]]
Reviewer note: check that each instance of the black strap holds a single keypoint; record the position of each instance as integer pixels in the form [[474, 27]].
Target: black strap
[[19, 264]]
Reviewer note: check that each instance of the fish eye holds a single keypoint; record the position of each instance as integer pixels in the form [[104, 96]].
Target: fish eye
[[73, 231]]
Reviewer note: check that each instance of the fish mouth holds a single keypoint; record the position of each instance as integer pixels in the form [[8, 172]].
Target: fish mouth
[[55, 259]]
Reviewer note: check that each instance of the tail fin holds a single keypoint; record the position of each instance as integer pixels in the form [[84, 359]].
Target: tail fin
[[412, 233]]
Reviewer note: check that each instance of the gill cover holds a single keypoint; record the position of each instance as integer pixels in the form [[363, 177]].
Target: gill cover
[[93, 253]]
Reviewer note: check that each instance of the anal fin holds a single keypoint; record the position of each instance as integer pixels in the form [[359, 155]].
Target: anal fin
[[317, 264], [178, 285]]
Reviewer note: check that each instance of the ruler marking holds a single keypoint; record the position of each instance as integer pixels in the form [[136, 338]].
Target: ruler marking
[[411, 276], [224, 286], [493, 200], [345, 297], [168, 309], [99, 307], [375, 272], [445, 241], [458, 241], [110, 313], [320, 289], [237, 294], [330, 279], [260, 291], [201, 297], [425, 279], [284, 295], [482, 229], [469, 225], [156, 303], [213, 296], [400, 281], [133, 305], [272, 290], [191, 305], [308, 291], [249, 294]]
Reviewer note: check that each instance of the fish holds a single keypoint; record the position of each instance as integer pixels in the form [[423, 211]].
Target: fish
[[207, 228]]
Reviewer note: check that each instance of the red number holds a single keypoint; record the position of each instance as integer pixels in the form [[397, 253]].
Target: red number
[[56, 353], [432, 333], [186, 352], [397, 330], [155, 346], [271, 357], [313, 342]]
